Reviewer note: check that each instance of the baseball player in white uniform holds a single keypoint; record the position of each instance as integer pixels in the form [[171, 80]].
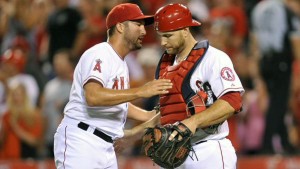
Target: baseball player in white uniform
[[211, 71], [98, 105]]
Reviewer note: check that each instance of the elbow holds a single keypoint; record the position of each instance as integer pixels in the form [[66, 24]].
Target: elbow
[[91, 101], [90, 104], [93, 93]]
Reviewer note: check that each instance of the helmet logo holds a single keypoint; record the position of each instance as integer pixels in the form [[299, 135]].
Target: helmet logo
[[173, 17], [156, 26]]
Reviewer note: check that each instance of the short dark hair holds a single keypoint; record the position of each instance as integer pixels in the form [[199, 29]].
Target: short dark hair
[[111, 30]]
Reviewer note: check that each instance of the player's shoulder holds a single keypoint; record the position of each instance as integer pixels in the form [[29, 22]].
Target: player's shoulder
[[98, 50], [211, 51], [215, 53]]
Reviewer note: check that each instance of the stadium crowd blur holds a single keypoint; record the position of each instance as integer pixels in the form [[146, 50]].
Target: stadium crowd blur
[[42, 40]]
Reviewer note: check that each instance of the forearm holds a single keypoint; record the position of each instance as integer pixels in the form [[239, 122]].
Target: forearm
[[139, 114], [216, 113], [109, 97], [139, 129], [97, 95]]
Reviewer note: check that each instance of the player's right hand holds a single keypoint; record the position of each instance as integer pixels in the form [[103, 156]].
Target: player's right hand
[[155, 87], [126, 142]]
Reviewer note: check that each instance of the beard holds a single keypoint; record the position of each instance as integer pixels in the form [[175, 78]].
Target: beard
[[133, 39], [134, 43], [176, 48], [137, 45], [171, 51]]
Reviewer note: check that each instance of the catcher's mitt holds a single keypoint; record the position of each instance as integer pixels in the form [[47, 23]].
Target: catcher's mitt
[[167, 154]]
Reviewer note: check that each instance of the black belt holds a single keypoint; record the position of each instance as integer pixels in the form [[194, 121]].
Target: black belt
[[96, 132], [201, 142]]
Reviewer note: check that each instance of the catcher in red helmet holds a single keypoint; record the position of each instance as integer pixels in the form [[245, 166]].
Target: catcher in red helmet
[[206, 92]]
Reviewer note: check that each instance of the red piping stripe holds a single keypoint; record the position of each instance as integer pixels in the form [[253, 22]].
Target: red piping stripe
[[221, 154], [65, 146], [95, 78], [237, 89]]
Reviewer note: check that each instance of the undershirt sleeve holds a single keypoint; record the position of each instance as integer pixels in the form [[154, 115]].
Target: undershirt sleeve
[[234, 99]]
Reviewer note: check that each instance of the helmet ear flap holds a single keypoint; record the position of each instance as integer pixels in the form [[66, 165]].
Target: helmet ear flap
[[173, 17]]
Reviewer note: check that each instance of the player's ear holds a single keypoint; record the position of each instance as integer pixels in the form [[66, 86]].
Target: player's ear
[[120, 27], [185, 32]]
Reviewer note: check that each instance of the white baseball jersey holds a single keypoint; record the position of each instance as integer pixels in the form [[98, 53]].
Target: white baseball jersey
[[103, 64], [217, 69]]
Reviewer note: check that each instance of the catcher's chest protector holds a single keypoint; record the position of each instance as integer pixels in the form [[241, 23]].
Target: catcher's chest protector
[[173, 106]]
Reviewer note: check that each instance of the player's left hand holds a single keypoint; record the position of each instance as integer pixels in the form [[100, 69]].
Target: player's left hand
[[167, 153], [189, 124], [155, 87]]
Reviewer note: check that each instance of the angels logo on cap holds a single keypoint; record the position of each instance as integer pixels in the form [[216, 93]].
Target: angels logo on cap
[[227, 74], [156, 26], [126, 12]]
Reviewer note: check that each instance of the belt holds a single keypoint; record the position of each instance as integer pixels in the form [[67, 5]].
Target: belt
[[96, 132], [201, 142]]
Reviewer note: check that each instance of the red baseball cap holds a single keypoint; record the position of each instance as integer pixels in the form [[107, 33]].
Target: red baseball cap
[[127, 12], [14, 57]]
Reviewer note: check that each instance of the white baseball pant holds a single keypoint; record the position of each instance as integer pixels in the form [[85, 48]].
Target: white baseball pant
[[75, 148]]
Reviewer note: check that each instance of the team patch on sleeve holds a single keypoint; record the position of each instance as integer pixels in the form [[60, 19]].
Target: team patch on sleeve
[[97, 66], [227, 74]]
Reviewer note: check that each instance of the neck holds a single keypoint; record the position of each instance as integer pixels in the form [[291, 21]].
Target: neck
[[118, 45]]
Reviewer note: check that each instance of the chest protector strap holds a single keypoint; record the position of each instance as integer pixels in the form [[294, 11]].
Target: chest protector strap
[[174, 106]]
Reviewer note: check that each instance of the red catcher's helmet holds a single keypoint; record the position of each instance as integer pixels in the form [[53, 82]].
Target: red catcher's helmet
[[173, 17]]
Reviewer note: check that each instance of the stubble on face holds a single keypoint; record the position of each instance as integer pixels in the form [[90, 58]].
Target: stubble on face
[[175, 43], [133, 37]]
